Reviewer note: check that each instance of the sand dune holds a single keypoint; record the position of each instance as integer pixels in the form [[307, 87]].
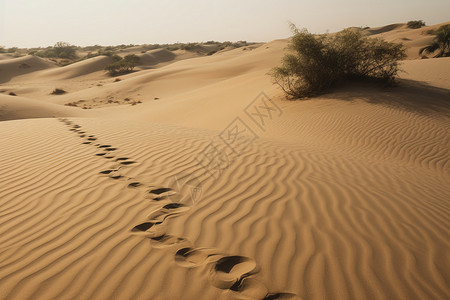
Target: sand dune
[[413, 39], [386, 28], [344, 196], [12, 108], [84, 67], [154, 57], [10, 68]]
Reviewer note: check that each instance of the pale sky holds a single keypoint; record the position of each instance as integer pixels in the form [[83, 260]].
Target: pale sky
[[33, 23]]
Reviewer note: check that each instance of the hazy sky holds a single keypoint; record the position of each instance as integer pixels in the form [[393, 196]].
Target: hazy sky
[[29, 23]]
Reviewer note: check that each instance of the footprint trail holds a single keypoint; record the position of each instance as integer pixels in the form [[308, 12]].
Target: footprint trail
[[234, 274]]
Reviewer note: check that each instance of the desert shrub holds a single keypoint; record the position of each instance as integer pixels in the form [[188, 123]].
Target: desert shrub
[[12, 94], [12, 50], [415, 24], [57, 91], [64, 50], [172, 47], [59, 50], [124, 65], [116, 57], [2, 49], [440, 43], [107, 51], [319, 62]]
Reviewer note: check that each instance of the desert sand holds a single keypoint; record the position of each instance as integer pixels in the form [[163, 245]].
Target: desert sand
[[194, 178]]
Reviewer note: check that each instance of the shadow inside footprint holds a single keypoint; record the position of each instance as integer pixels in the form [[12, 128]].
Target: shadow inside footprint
[[116, 177], [92, 139], [160, 191], [107, 171], [111, 149], [127, 162], [121, 158], [282, 296], [173, 206], [100, 154], [104, 146], [86, 143]]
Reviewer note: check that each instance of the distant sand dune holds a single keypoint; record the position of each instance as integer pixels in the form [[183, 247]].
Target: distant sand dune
[[9, 68]]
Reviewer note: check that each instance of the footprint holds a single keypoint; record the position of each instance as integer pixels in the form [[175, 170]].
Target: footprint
[[127, 162], [189, 257], [168, 210], [104, 146], [109, 157], [100, 154], [230, 269], [111, 149], [86, 143], [246, 288], [160, 198], [92, 139], [121, 158], [160, 191], [134, 184], [82, 135], [150, 229], [116, 177], [107, 171], [167, 241]]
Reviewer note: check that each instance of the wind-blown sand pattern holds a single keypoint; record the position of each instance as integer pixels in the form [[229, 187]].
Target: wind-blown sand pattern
[[340, 197]]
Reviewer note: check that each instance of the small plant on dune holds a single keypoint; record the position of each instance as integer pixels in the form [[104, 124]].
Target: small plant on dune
[[24, 66], [415, 24], [440, 43], [58, 92], [124, 65], [319, 62]]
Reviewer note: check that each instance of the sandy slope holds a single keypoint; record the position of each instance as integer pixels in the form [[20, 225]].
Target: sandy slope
[[413, 39], [339, 197]]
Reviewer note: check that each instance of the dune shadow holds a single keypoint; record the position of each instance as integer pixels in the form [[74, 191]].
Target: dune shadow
[[414, 96]]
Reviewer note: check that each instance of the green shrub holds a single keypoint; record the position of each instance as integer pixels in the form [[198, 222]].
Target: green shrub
[[123, 66], [440, 43], [319, 62], [415, 24]]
